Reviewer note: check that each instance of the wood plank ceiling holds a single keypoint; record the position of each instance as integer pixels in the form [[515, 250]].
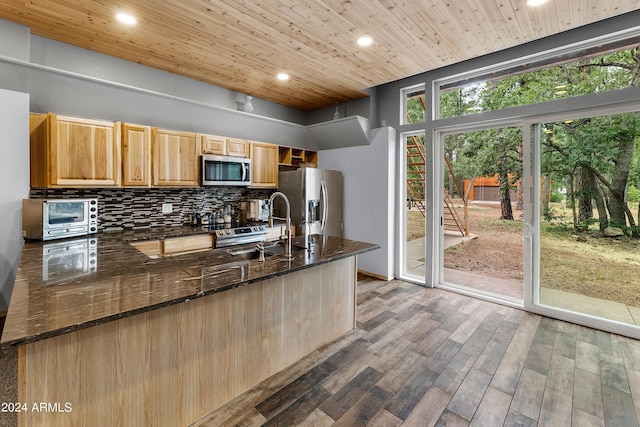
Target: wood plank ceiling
[[242, 45]]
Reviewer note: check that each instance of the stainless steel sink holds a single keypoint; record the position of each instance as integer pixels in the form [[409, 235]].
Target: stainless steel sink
[[252, 252]]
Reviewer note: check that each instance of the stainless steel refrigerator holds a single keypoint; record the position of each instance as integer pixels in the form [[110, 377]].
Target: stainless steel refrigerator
[[315, 196]]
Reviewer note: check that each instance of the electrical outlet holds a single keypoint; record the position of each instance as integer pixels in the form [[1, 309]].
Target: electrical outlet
[[167, 208]]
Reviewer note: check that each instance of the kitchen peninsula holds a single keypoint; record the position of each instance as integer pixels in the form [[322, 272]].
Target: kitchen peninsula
[[164, 340]]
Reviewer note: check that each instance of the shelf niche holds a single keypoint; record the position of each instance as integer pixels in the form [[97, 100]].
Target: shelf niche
[[291, 157]]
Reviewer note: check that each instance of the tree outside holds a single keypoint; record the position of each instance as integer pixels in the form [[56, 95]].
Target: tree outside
[[595, 159], [590, 169]]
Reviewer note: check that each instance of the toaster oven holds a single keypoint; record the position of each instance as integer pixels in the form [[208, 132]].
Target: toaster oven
[[47, 219]]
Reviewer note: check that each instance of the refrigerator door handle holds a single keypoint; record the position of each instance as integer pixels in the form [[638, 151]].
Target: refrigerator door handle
[[325, 203]]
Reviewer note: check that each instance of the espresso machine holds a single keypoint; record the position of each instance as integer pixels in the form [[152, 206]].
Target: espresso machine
[[258, 210]]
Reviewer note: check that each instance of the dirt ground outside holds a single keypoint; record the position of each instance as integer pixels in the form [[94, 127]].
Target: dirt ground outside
[[497, 251], [579, 263]]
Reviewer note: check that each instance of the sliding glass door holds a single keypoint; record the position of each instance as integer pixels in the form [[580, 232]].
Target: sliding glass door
[[539, 159], [587, 251], [482, 212]]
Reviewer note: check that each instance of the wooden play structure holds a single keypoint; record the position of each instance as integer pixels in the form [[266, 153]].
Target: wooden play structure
[[415, 154]]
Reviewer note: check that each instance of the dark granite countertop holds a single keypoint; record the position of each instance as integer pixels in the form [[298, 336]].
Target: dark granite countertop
[[55, 292]]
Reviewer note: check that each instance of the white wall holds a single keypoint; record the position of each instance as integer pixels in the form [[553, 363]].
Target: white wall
[[369, 197], [14, 176]]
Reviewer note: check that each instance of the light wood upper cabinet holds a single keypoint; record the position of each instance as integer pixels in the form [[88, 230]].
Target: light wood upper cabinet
[[175, 158], [237, 147], [136, 155], [74, 152], [77, 152], [223, 146], [264, 165], [212, 144]]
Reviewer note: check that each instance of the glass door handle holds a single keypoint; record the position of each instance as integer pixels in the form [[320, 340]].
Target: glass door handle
[[528, 230]]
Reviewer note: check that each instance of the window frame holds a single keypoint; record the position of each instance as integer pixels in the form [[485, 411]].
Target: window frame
[[552, 57], [404, 92]]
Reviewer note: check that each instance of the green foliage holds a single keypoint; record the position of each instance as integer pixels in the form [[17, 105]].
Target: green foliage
[[487, 153], [460, 101], [600, 144], [559, 230], [556, 218], [587, 222], [549, 214], [581, 77], [634, 170], [415, 111], [557, 197], [633, 194], [597, 144]]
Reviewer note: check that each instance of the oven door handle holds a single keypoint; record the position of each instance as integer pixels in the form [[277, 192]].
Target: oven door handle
[[221, 243]]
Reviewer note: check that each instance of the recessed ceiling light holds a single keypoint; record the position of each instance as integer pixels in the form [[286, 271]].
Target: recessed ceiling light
[[283, 76], [365, 41], [126, 18], [536, 2]]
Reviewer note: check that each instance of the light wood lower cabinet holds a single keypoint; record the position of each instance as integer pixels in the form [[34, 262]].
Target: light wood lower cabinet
[[174, 245], [151, 248], [172, 366], [182, 245]]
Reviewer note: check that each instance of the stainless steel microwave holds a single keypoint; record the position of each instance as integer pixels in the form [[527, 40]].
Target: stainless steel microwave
[[225, 170], [47, 219]]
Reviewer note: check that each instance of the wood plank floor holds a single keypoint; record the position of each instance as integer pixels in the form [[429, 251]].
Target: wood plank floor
[[424, 357]]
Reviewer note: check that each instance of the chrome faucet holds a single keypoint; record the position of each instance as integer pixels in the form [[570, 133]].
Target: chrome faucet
[[260, 248], [287, 249]]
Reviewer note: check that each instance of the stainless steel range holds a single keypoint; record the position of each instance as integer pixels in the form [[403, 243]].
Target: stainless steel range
[[238, 235]]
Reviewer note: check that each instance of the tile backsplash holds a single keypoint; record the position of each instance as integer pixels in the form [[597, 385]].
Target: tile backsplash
[[130, 208]]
